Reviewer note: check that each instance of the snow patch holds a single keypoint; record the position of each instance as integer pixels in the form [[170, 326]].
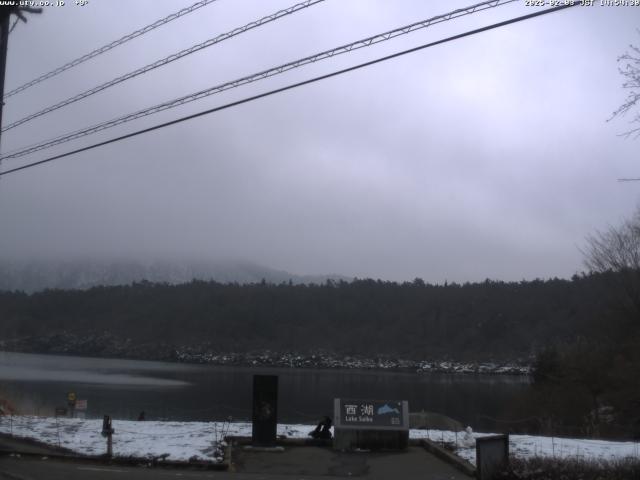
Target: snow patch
[[184, 441]]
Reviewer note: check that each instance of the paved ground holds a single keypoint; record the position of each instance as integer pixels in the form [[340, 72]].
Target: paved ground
[[294, 463], [36, 469], [308, 462], [8, 444]]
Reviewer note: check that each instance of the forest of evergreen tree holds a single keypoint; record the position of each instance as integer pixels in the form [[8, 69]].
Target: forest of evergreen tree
[[472, 321]]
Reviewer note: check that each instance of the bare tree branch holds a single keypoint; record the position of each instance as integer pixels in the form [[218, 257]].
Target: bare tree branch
[[617, 251], [629, 68]]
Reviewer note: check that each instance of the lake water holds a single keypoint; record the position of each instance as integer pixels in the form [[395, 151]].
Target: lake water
[[122, 388]]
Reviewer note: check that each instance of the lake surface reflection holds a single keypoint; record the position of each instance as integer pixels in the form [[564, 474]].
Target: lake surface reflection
[[122, 388]]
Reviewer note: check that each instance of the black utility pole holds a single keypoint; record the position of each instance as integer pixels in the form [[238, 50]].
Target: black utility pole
[[4, 39], [5, 18]]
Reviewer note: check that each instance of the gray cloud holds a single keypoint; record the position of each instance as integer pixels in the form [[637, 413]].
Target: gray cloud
[[485, 157]]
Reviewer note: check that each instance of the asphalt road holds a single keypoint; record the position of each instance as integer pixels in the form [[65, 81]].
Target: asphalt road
[[23, 468]]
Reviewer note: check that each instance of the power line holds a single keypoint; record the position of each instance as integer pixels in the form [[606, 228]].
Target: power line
[[109, 46], [257, 76], [294, 85], [167, 60]]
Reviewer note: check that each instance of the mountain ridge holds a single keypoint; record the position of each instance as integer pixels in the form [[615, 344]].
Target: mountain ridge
[[37, 275]]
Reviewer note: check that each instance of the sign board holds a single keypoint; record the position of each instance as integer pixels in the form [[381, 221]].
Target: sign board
[[371, 414], [81, 404], [61, 411], [71, 398]]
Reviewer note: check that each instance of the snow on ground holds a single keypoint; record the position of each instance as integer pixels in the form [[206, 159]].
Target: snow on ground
[[181, 441], [527, 446], [148, 439]]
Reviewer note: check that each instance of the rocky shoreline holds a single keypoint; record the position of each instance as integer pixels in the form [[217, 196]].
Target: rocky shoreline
[[327, 360], [109, 346]]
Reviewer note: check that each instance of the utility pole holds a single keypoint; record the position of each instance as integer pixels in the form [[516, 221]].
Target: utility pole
[[4, 39], [5, 18]]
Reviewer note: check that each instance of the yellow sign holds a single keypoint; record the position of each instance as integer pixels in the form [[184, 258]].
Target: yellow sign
[[71, 396]]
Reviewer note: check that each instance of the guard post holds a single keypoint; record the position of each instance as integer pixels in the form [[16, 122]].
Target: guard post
[[370, 424], [107, 431]]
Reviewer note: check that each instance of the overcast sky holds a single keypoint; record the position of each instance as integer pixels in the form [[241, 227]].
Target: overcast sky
[[487, 157]]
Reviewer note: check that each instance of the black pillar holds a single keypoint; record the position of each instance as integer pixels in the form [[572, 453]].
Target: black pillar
[[265, 410]]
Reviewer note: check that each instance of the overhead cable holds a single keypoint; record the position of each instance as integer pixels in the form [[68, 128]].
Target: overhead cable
[[292, 86], [166, 60], [109, 46], [366, 42]]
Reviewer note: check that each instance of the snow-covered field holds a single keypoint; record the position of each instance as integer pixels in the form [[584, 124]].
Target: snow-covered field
[[181, 441], [176, 441], [527, 446]]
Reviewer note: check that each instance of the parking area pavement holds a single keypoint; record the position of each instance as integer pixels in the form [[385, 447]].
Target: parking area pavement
[[301, 462]]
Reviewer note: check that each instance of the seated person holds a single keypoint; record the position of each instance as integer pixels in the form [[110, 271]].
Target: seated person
[[323, 430]]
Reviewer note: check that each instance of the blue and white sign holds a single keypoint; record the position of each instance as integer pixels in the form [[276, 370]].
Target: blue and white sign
[[373, 414]]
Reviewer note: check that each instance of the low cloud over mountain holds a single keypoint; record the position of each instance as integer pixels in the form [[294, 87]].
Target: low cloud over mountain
[[78, 274]]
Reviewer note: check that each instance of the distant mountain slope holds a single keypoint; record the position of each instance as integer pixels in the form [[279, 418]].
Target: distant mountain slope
[[40, 275]]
